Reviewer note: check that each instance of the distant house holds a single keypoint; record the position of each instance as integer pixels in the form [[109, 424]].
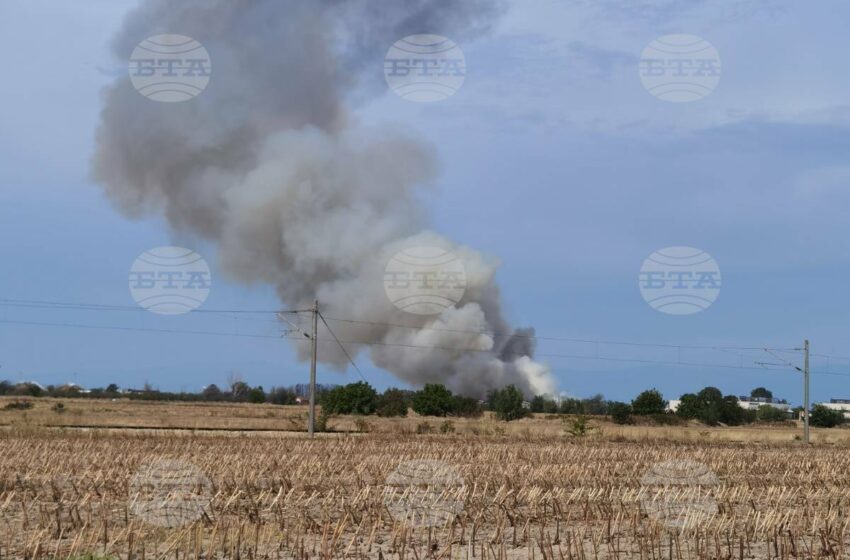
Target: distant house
[[748, 403], [36, 383], [754, 403], [71, 389], [842, 405]]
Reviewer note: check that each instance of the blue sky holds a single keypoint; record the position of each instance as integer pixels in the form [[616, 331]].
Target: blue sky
[[554, 160]]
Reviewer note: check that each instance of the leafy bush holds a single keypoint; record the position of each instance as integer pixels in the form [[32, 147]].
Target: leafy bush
[[362, 425], [321, 424], [577, 427], [58, 407], [649, 402], [433, 400], [594, 405], [468, 407], [620, 412], [769, 413], [542, 404], [447, 427], [354, 398], [281, 395], [666, 419], [19, 405], [823, 417], [507, 403], [394, 402], [424, 428], [257, 395]]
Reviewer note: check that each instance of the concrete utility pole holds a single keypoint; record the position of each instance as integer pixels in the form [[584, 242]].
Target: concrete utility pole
[[314, 338], [806, 391]]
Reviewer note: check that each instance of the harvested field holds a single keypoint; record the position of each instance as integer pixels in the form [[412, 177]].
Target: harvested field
[[426, 496]]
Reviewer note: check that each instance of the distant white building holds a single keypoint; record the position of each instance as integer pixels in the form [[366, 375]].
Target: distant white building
[[755, 403], [748, 403], [842, 405]]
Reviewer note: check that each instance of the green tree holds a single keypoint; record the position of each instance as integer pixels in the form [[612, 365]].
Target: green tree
[[761, 393], [394, 402], [689, 406], [281, 396], [507, 403], [731, 412], [257, 395], [571, 406], [550, 406], [433, 400], [239, 390], [354, 398], [620, 412], [28, 389], [595, 405], [649, 402], [466, 406], [823, 417], [211, 392], [709, 406], [537, 403]]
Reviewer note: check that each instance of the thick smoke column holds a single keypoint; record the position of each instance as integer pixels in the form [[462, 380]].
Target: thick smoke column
[[267, 163]]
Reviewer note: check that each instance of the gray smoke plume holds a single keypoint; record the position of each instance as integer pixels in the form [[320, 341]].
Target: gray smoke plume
[[268, 163]]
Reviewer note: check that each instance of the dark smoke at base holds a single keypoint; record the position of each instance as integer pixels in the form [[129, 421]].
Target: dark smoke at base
[[267, 163]]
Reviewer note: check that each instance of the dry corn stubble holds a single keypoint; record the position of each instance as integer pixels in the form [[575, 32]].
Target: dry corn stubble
[[62, 495]]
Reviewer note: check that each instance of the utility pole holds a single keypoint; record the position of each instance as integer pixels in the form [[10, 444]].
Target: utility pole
[[314, 338], [806, 391]]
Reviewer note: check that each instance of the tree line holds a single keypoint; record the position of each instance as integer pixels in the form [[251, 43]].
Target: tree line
[[708, 406], [235, 391]]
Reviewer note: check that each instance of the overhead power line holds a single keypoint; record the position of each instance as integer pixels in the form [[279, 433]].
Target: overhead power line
[[757, 366], [551, 355], [341, 347], [512, 334], [553, 338]]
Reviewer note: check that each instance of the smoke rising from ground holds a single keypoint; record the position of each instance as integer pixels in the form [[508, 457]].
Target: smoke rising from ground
[[267, 163]]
